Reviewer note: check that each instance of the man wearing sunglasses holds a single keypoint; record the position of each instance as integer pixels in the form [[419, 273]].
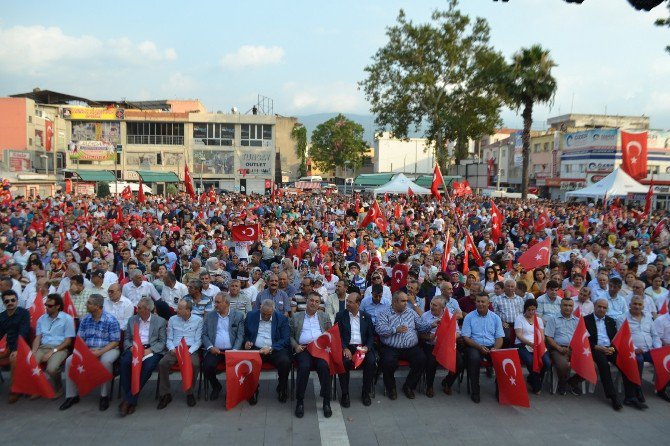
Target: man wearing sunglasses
[[54, 334], [14, 322]]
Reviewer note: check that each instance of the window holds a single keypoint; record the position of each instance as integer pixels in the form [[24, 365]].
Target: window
[[253, 135], [654, 169], [568, 168], [546, 146], [213, 134], [159, 133], [504, 151], [536, 147]]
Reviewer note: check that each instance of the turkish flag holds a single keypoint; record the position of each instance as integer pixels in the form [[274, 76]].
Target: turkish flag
[[396, 211], [410, 192], [472, 248], [375, 216], [3, 345], [511, 386], [126, 193], [539, 347], [399, 274], [625, 358], [457, 187], [140, 193], [542, 222], [537, 255], [634, 154], [647, 201], [48, 134], [185, 365], [445, 342], [246, 233], [138, 356], [243, 371], [61, 240], [664, 308], [358, 357], [188, 182], [578, 312], [357, 205], [86, 370], [437, 182], [496, 223], [659, 228], [581, 360], [386, 197], [465, 188], [661, 358], [328, 347], [28, 377], [343, 245], [36, 310], [68, 305]]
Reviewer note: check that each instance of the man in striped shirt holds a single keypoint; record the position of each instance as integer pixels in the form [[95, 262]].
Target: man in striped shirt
[[398, 328]]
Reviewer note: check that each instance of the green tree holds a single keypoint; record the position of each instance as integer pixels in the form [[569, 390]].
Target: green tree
[[299, 134], [103, 189], [441, 79], [665, 22], [171, 189], [336, 142], [530, 83]]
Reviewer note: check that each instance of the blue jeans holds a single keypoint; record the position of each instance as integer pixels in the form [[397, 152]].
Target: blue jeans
[[125, 374], [534, 379]]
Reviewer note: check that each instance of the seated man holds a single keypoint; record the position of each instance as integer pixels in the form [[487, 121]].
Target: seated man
[[398, 328], [602, 329], [644, 336], [267, 331], [138, 288], [185, 325], [54, 334], [549, 304], [662, 326], [272, 292], [306, 326], [14, 322], [375, 302], [356, 332], [152, 329], [223, 329], [433, 317], [482, 332], [558, 334], [119, 306], [201, 303], [101, 333], [238, 301]]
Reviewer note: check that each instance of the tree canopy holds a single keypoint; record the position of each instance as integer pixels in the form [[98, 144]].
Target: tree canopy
[[337, 142], [441, 79]]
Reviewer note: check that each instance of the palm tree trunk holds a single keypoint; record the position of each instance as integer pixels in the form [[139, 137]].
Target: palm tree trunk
[[525, 138]]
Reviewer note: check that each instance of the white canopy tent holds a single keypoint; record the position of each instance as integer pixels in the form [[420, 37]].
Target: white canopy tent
[[616, 184], [400, 184]]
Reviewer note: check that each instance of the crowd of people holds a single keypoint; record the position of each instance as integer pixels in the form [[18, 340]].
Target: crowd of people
[[172, 267]]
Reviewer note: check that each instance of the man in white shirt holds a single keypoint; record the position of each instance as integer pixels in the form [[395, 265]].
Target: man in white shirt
[[21, 255], [137, 288], [98, 285], [305, 328], [110, 277], [173, 291], [208, 290], [118, 306], [662, 326], [378, 279]]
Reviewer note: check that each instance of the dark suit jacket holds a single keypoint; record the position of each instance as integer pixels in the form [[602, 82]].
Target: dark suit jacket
[[157, 333], [235, 329], [367, 328], [280, 331], [590, 322]]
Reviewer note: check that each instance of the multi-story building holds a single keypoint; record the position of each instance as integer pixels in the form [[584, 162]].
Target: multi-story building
[[97, 141]]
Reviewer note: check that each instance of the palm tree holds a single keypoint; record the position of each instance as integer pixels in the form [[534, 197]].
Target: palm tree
[[531, 83]]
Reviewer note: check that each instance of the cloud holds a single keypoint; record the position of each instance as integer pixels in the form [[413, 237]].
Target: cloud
[[250, 56], [37, 50], [333, 96], [179, 84]]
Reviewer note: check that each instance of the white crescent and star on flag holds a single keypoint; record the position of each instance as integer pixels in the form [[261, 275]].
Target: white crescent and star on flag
[[249, 365], [505, 362]]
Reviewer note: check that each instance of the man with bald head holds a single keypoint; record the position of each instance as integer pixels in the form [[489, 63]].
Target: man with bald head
[[602, 330]]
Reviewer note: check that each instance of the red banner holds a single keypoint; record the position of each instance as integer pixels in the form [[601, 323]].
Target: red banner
[[634, 154], [246, 233], [48, 134]]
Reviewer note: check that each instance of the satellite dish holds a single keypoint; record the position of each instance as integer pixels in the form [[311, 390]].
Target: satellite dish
[[233, 110]]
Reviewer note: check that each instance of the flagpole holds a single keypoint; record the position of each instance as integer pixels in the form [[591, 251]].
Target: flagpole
[[651, 191]]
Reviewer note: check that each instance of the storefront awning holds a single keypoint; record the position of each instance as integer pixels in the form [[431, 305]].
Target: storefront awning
[[373, 180], [94, 175], [427, 180], [158, 177]]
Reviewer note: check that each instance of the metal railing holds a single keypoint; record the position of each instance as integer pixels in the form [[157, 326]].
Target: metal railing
[[161, 140]]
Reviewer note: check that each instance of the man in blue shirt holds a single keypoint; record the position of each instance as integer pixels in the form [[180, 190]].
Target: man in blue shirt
[[482, 332], [101, 333], [54, 334], [182, 325], [375, 303]]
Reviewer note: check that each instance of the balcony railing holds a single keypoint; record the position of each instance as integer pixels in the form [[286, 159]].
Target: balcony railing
[[159, 140]]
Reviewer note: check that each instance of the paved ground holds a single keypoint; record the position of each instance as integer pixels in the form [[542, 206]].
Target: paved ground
[[552, 420]]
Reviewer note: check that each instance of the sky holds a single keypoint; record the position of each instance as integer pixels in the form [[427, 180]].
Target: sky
[[308, 56]]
